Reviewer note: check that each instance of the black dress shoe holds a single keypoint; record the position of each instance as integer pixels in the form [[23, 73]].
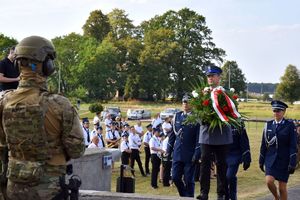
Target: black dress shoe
[[202, 197]]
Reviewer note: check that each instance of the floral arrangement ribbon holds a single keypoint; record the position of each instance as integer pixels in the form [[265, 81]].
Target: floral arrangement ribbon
[[216, 105]]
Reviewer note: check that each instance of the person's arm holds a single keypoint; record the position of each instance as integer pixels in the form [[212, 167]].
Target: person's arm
[[293, 149], [107, 138], [4, 79], [263, 149], [245, 147]]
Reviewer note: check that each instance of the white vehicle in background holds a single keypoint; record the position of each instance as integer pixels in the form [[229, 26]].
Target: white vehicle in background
[[168, 112], [136, 114]]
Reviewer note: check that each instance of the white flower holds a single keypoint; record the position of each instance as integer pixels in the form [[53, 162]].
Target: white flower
[[206, 89], [195, 94], [232, 90]]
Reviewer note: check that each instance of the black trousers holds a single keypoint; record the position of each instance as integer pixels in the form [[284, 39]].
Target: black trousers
[[155, 160], [125, 158], [167, 164], [220, 152], [135, 156], [147, 159]]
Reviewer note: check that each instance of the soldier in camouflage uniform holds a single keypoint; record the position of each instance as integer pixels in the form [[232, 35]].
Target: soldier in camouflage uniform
[[41, 130]]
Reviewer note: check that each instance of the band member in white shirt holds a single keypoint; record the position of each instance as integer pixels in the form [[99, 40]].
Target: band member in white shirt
[[139, 129], [146, 139], [108, 121], [86, 131], [166, 126], [98, 132], [156, 152], [112, 137], [126, 151], [134, 144]]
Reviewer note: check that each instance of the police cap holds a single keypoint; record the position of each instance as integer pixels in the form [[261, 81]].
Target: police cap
[[212, 70], [85, 120], [278, 105]]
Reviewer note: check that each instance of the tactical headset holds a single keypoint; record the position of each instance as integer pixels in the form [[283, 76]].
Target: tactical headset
[[48, 65]]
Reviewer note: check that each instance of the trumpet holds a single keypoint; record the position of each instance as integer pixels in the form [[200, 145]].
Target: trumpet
[[114, 144]]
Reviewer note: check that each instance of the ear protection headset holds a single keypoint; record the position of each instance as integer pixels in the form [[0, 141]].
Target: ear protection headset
[[48, 66]]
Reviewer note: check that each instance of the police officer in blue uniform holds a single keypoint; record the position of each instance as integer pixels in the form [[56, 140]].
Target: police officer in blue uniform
[[186, 151], [278, 150], [214, 141], [239, 152]]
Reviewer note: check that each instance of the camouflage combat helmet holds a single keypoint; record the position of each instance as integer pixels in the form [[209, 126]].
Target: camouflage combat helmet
[[35, 48]]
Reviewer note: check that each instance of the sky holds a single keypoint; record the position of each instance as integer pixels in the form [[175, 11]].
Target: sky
[[262, 36]]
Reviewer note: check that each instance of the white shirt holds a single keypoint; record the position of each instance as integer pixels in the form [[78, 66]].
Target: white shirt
[[124, 145], [109, 135], [100, 144], [155, 122], [134, 141], [107, 123], [154, 142], [165, 144], [96, 120], [139, 129], [92, 145], [147, 137], [86, 133], [166, 125]]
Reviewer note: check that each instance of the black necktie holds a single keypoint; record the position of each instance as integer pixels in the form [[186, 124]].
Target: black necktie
[[88, 135], [114, 136], [103, 144], [127, 145]]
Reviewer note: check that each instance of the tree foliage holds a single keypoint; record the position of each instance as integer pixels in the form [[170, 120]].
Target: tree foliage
[[232, 73], [289, 86], [96, 26], [5, 44]]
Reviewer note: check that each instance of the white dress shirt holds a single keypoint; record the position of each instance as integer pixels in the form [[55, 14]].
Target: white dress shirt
[[154, 142], [166, 125], [134, 141], [124, 145]]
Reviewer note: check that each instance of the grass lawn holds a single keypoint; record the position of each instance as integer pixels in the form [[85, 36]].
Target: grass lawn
[[250, 183]]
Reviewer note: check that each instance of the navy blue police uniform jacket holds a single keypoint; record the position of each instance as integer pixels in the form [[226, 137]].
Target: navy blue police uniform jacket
[[279, 146], [183, 141], [215, 136], [239, 150]]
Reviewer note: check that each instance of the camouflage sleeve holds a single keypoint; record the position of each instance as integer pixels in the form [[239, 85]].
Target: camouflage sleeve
[[72, 137]]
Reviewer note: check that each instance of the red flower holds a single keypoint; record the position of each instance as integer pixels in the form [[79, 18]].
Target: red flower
[[235, 97], [219, 91], [225, 108], [205, 102]]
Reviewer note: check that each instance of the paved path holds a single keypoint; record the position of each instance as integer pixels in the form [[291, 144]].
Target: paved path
[[293, 194]]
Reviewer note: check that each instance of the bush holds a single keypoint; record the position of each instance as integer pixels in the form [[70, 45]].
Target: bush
[[95, 107]]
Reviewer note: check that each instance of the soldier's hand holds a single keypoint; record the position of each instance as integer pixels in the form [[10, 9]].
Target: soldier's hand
[[261, 166], [246, 165], [291, 169]]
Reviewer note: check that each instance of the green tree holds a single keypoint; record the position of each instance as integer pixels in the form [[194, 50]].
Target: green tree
[[233, 77], [97, 25], [196, 48], [5, 44], [71, 51], [289, 86]]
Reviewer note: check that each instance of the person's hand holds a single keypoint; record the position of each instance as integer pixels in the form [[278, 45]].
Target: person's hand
[[261, 166], [291, 169], [195, 160], [246, 165]]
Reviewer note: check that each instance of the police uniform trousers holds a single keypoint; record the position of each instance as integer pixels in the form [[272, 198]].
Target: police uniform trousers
[[135, 156], [186, 170], [167, 165], [220, 152], [155, 160], [125, 158], [147, 159], [232, 181]]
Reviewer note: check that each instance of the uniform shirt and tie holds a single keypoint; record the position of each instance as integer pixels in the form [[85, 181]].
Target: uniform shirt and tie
[[107, 123], [86, 134], [125, 155], [155, 159], [147, 137], [134, 141], [112, 135], [154, 142], [101, 143]]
